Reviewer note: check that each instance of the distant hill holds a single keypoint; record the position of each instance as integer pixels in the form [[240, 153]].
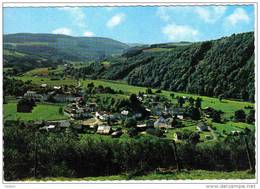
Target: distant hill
[[55, 46], [212, 68]]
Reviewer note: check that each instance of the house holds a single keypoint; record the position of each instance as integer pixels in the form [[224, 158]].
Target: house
[[202, 127], [102, 116], [76, 113], [63, 98], [43, 85], [49, 127], [125, 112], [33, 95], [177, 136], [163, 123], [104, 130], [64, 123], [116, 134], [180, 117], [57, 87]]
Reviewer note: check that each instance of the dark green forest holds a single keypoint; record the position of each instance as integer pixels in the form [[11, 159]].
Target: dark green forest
[[32, 153], [212, 68]]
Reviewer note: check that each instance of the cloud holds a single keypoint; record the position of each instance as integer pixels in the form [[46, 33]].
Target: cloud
[[239, 15], [177, 33], [165, 13], [162, 13], [64, 31], [210, 14], [88, 34], [115, 20], [77, 14]]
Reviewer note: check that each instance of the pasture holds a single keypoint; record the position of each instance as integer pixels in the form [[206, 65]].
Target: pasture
[[40, 112]]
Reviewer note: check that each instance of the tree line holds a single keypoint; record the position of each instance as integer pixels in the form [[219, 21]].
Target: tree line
[[30, 153]]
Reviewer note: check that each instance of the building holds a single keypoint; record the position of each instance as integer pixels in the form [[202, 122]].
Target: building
[[33, 95], [43, 85], [162, 123], [116, 134], [63, 98], [104, 130], [77, 113], [102, 116], [202, 127]]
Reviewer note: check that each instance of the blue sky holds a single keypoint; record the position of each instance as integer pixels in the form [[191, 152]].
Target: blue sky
[[134, 24]]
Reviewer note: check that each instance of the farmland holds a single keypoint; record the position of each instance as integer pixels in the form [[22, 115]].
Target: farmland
[[40, 112]]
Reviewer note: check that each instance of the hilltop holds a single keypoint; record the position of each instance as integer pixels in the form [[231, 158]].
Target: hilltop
[[56, 46]]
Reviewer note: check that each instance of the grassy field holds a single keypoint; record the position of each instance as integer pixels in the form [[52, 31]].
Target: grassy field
[[227, 106], [185, 175], [48, 81], [40, 112]]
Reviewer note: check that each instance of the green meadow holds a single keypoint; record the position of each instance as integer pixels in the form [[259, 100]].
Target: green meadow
[[40, 112]]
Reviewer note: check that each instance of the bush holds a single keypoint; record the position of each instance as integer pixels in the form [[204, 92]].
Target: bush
[[240, 115]]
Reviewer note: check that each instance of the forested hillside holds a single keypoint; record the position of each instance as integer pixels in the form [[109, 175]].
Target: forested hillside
[[221, 67], [53, 46]]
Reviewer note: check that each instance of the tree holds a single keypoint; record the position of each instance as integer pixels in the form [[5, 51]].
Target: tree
[[158, 91], [220, 97], [216, 116], [250, 117], [25, 105], [130, 122], [149, 91], [181, 101], [61, 110], [240, 115], [191, 101], [194, 113], [133, 99], [194, 137], [198, 102], [172, 95], [132, 132]]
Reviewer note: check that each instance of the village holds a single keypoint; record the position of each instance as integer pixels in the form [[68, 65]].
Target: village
[[148, 113]]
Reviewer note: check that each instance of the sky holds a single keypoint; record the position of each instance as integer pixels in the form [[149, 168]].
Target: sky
[[146, 25]]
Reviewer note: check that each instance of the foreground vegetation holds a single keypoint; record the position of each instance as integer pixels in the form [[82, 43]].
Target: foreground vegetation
[[31, 153], [184, 175]]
